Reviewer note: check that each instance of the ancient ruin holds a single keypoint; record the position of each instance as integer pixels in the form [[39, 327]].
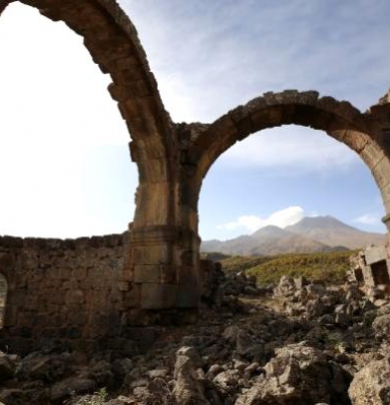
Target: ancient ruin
[[102, 288], [370, 267]]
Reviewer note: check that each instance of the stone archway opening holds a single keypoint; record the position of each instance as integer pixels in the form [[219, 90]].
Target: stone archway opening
[[339, 120], [255, 181], [362, 133], [65, 164]]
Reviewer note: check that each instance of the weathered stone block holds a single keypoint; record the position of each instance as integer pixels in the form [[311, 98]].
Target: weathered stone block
[[74, 333], [147, 274], [152, 254], [371, 154], [154, 274], [187, 296], [123, 286], [6, 262], [152, 208], [385, 191], [375, 254], [155, 170], [143, 334], [132, 298], [381, 172], [80, 273], [158, 296]]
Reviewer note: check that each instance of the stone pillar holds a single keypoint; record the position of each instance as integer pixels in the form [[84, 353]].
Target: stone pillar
[[154, 267], [163, 259], [163, 274]]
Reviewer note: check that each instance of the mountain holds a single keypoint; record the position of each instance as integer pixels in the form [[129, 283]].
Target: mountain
[[272, 240], [310, 235], [269, 240], [330, 231]]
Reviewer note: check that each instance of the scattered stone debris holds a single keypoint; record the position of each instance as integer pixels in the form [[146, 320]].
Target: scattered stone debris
[[303, 342], [299, 374]]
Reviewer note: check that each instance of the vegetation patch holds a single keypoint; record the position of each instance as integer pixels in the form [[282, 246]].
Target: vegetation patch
[[331, 266]]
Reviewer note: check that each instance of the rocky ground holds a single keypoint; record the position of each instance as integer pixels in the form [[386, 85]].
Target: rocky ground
[[295, 344]]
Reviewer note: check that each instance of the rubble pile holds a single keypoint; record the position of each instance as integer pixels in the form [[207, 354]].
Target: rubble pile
[[342, 305], [307, 343], [221, 290]]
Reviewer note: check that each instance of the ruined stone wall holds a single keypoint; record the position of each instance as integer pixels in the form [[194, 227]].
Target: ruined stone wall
[[62, 289], [74, 289]]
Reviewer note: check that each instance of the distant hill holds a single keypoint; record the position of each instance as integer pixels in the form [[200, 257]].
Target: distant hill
[[310, 235], [330, 231]]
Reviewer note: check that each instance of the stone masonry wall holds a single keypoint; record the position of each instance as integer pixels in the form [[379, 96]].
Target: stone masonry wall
[[62, 289], [76, 286]]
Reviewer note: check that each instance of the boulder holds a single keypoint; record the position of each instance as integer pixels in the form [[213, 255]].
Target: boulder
[[120, 368], [300, 282], [230, 333], [298, 375], [13, 396], [45, 367], [101, 373], [381, 326], [188, 388], [121, 400], [315, 308], [244, 342], [7, 367], [213, 371], [371, 385], [285, 288], [341, 316], [227, 381], [63, 389]]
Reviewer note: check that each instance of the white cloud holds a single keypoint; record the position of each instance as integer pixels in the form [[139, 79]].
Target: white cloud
[[301, 149], [368, 219], [251, 223]]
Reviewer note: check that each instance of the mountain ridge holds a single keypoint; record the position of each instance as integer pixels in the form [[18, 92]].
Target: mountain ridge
[[310, 235], [333, 232]]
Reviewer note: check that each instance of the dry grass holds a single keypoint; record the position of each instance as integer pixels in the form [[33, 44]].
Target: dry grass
[[317, 266]]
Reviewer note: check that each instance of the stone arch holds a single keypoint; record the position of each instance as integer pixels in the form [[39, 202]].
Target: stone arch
[[340, 120], [161, 269], [150, 278]]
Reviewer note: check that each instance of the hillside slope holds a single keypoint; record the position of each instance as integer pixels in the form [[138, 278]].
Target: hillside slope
[[269, 240], [332, 232], [310, 235]]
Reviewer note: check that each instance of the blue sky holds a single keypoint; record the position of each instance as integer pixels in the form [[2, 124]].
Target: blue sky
[[64, 161]]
